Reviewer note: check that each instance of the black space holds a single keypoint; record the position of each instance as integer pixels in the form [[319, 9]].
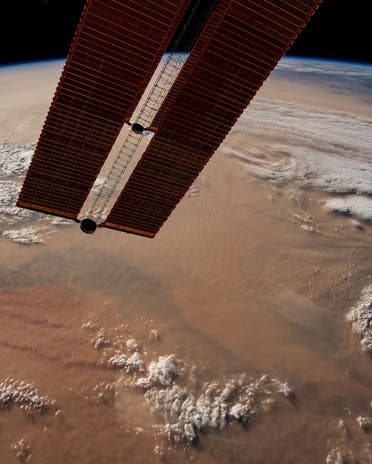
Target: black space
[[43, 29], [192, 24]]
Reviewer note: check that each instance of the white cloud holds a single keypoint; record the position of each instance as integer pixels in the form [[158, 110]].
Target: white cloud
[[361, 317]]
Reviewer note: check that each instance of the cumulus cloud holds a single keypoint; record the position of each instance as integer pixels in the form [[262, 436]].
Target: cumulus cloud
[[17, 224], [24, 395], [182, 409], [361, 318], [352, 205], [185, 414]]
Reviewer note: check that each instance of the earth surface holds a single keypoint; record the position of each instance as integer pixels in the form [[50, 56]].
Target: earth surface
[[240, 334]]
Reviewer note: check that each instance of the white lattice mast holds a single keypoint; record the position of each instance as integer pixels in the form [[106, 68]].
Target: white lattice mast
[[142, 119]]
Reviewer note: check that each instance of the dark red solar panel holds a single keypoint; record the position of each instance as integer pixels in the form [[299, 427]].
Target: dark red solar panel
[[113, 56], [238, 48]]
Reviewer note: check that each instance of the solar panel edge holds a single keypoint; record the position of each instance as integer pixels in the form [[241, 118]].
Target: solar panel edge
[[42, 209], [129, 230]]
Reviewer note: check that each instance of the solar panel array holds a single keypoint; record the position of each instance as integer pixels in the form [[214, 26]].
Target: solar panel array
[[114, 54], [240, 45], [113, 57]]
